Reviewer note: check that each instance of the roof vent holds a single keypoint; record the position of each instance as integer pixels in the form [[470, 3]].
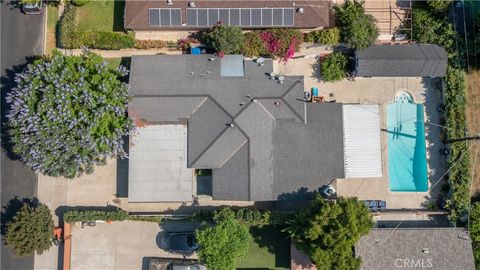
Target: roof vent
[[277, 103], [231, 125], [425, 250], [169, 2], [300, 10], [192, 5], [281, 79]]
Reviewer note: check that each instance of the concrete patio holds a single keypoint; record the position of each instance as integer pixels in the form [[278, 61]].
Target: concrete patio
[[381, 91]]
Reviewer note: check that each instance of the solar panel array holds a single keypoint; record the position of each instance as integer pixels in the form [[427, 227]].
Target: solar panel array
[[165, 17], [244, 17]]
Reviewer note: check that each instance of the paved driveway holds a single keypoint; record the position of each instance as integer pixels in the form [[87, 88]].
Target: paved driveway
[[120, 245]]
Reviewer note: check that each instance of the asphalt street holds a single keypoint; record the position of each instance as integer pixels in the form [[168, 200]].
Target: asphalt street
[[21, 38]]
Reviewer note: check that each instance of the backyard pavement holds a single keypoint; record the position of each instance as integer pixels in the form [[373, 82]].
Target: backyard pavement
[[380, 91], [120, 245]]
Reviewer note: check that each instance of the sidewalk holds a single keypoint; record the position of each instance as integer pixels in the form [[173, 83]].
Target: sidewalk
[[122, 52]]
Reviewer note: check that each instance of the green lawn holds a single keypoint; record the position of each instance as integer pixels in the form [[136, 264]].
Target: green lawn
[[269, 250], [101, 16], [52, 18], [116, 62], [113, 62]]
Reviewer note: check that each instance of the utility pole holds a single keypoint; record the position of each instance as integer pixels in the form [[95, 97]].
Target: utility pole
[[450, 141]]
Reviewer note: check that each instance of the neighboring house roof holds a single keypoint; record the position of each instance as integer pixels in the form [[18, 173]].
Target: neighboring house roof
[[406, 60], [260, 137], [144, 15], [432, 248]]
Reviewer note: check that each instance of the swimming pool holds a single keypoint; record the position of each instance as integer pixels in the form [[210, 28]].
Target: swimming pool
[[407, 160]]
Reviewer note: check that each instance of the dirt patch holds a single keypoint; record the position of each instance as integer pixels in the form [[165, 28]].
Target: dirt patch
[[473, 122]]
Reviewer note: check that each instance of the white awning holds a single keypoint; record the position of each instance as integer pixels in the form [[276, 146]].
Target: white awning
[[361, 140]]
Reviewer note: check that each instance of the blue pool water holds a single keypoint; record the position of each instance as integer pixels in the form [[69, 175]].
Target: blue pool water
[[407, 161]]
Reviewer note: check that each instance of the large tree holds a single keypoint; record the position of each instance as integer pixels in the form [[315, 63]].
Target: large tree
[[224, 244], [429, 29], [30, 230], [357, 29], [224, 38], [328, 230], [68, 113], [334, 67]]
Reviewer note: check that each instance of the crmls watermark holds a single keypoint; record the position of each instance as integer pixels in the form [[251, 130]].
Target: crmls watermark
[[409, 263]]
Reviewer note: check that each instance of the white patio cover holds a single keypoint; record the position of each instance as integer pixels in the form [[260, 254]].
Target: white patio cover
[[361, 140]]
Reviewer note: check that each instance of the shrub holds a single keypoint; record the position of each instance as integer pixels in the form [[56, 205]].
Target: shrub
[[358, 30], [281, 43], [326, 36], [105, 40], [149, 44], [203, 172], [223, 38], [252, 45], [67, 29], [224, 244], [334, 67], [68, 113], [328, 230], [79, 2], [246, 216], [186, 43], [91, 215], [439, 5], [30, 231], [428, 29]]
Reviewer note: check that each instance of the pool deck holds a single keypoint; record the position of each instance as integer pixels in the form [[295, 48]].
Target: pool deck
[[382, 91]]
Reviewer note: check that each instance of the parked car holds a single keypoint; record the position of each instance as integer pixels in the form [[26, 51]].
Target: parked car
[[33, 7], [174, 264], [184, 242]]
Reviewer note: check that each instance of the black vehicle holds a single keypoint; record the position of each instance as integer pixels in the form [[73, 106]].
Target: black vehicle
[[33, 7], [183, 242]]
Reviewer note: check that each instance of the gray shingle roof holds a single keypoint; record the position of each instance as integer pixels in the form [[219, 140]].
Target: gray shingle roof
[[244, 157], [406, 60], [432, 248]]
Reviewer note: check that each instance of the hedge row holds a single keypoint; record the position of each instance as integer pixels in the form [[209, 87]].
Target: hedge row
[[459, 160], [325, 36], [149, 44], [91, 215], [248, 216], [70, 38]]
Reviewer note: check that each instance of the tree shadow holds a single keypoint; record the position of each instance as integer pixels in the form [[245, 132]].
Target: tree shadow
[[122, 172], [118, 9], [7, 83], [11, 209], [275, 241]]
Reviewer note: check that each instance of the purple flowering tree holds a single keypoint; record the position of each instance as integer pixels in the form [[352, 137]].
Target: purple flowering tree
[[68, 113]]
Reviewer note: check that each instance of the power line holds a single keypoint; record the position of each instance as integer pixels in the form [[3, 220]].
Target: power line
[[430, 188], [471, 184], [465, 34]]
